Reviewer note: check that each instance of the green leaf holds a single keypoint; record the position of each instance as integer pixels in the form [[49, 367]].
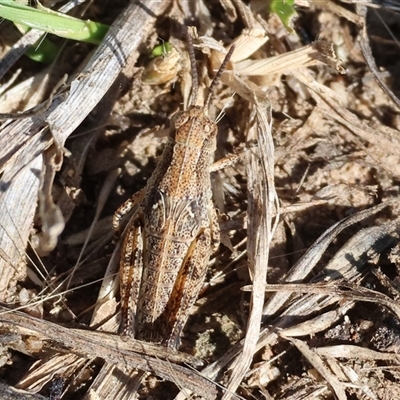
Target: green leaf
[[49, 21], [284, 9], [45, 52]]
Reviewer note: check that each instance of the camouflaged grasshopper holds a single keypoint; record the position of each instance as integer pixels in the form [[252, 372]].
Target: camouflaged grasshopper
[[174, 229]]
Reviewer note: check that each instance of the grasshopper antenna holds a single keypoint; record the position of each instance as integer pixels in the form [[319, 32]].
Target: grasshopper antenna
[[195, 77], [218, 76]]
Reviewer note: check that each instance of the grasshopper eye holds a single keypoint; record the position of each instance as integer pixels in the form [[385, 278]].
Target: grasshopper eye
[[179, 119]]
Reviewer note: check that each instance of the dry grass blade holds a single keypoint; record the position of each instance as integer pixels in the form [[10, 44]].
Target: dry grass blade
[[44, 371], [304, 266], [117, 49], [366, 49], [347, 351], [115, 383], [313, 54], [18, 50], [319, 365], [10, 393], [114, 350], [385, 139], [16, 223], [262, 202]]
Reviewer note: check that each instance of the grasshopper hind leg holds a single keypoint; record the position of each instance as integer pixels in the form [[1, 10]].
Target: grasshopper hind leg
[[131, 269], [186, 289]]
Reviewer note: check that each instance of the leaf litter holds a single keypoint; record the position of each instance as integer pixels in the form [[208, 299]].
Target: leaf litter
[[309, 267]]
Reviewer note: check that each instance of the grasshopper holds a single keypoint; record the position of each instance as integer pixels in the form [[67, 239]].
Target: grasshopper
[[174, 229]]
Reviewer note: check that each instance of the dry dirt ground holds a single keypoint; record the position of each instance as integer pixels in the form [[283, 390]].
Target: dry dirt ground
[[312, 205]]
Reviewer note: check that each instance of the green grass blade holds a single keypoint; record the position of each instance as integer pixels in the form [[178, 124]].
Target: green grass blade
[[53, 22]]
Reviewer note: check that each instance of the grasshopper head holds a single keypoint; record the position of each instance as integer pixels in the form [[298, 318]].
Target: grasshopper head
[[193, 128]]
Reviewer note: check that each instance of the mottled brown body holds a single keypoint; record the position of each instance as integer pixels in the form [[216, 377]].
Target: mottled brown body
[[171, 235], [174, 228]]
